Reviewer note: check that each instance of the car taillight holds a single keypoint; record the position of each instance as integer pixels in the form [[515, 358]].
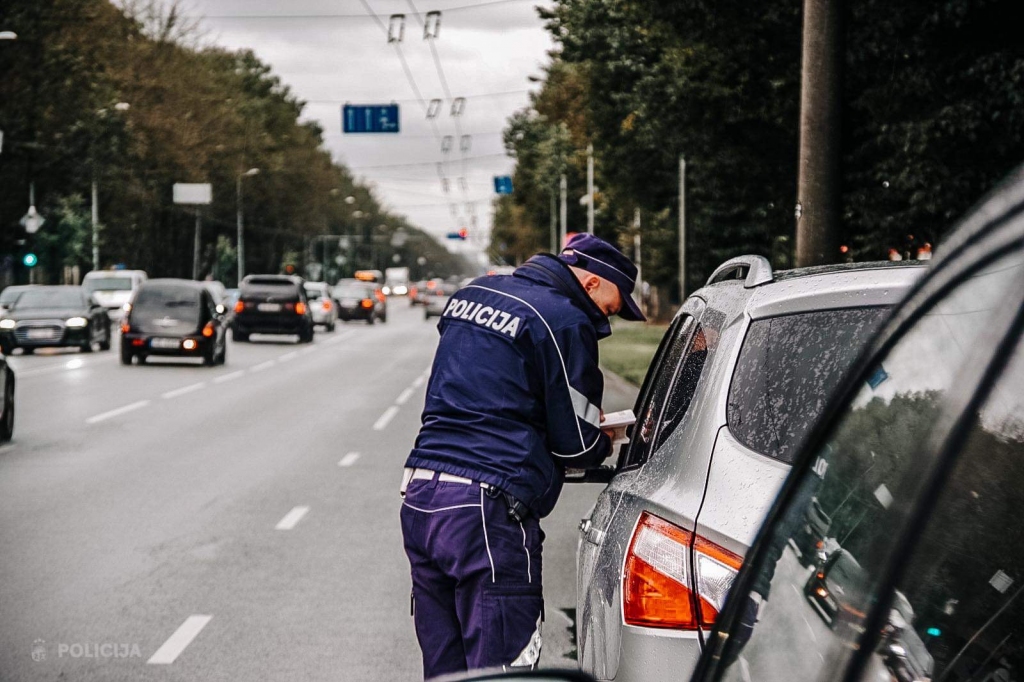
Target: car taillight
[[208, 330], [240, 307], [327, 304], [125, 328], [664, 565], [366, 303], [300, 308]]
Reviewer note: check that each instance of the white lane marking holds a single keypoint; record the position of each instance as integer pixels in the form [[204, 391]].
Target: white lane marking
[[403, 397], [419, 381], [184, 390], [177, 642], [291, 518], [262, 366], [307, 350], [229, 377], [385, 418], [75, 364], [117, 412], [288, 356], [349, 459], [810, 630]]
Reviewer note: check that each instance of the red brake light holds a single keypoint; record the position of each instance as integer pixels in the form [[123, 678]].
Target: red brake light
[[240, 307], [660, 573], [300, 308], [327, 304], [126, 328], [208, 330], [367, 303]]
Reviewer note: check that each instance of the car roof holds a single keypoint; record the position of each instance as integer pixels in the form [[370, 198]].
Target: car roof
[[844, 285]]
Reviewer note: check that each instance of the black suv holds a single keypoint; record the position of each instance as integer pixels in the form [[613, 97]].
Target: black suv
[[272, 304], [173, 317]]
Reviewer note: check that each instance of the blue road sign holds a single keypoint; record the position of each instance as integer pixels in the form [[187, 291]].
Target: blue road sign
[[369, 118], [503, 184]]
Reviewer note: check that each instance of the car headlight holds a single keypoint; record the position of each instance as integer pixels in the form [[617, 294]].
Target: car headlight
[[7, 324], [76, 322]]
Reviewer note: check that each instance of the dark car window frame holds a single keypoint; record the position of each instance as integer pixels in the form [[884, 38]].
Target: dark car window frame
[[1006, 330], [679, 335]]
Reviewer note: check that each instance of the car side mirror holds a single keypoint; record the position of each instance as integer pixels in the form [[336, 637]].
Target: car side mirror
[[602, 474]]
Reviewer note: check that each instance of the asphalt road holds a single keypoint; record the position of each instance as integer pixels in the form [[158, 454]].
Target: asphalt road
[[177, 522]]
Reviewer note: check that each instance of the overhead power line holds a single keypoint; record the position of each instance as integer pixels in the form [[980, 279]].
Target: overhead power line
[[364, 98], [428, 163], [457, 8]]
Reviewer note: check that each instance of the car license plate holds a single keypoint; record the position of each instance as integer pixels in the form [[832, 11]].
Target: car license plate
[[165, 343], [269, 307], [40, 334]]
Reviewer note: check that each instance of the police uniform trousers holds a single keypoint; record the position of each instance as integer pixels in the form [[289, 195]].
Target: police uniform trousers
[[476, 578]]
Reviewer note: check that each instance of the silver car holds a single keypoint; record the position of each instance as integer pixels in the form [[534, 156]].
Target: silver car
[[741, 375], [322, 304]]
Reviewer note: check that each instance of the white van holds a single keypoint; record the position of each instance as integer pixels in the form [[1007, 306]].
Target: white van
[[113, 288]]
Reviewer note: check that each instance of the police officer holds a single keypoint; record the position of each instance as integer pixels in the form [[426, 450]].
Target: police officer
[[514, 398]]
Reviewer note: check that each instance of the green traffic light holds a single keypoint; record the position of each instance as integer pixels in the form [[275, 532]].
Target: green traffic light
[[933, 632], [30, 260]]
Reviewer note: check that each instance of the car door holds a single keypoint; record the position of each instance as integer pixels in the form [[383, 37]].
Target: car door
[[598, 563], [918, 468]]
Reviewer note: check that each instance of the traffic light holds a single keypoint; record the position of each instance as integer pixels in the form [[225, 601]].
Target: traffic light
[[933, 632], [30, 260]]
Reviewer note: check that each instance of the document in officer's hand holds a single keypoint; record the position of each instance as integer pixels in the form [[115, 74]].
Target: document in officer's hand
[[618, 422]]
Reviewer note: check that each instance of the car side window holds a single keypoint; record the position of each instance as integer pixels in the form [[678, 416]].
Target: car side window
[[655, 391], [804, 615], [957, 613], [701, 346]]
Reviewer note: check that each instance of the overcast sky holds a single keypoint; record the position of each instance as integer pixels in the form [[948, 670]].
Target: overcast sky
[[333, 51]]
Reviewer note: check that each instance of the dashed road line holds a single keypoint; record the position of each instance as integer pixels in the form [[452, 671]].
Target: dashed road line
[[184, 390], [385, 418], [229, 377], [404, 396], [419, 381], [291, 518], [262, 366], [349, 459], [288, 356], [115, 413], [177, 642]]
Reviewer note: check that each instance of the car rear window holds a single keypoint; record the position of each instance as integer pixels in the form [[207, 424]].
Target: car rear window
[[269, 288], [113, 283], [352, 291], [315, 292], [179, 303], [788, 367]]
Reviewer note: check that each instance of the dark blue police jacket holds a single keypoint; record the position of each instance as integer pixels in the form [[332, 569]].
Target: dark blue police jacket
[[515, 390]]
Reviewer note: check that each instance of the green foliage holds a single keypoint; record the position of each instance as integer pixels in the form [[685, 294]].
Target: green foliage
[[932, 118], [66, 238]]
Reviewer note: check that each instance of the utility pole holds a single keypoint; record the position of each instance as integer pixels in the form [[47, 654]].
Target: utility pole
[[682, 229], [241, 228], [638, 290], [563, 211], [95, 221], [818, 197], [590, 189], [554, 226], [198, 245]]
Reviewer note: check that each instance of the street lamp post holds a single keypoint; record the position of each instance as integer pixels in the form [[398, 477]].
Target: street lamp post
[[120, 106], [241, 228]]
